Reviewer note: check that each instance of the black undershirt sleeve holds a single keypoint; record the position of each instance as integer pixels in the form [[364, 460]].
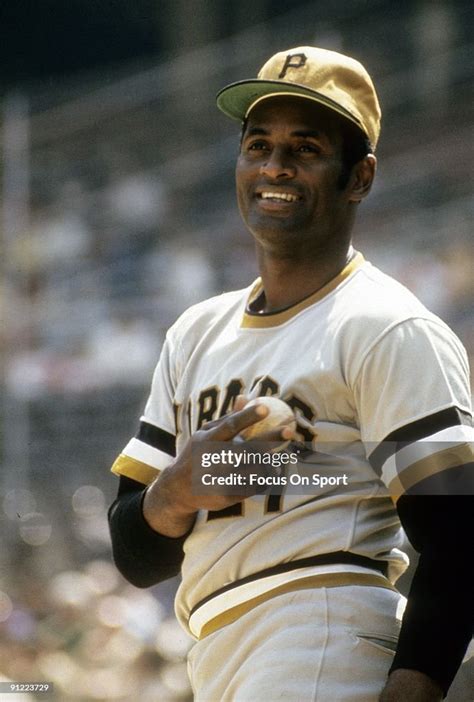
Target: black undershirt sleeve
[[438, 622], [143, 556]]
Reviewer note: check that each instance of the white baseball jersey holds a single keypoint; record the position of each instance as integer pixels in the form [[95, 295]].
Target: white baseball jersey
[[364, 365]]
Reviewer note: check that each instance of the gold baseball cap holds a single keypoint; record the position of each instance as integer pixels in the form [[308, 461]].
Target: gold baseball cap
[[327, 77]]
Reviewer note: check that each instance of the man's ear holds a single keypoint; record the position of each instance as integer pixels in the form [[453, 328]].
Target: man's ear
[[362, 178]]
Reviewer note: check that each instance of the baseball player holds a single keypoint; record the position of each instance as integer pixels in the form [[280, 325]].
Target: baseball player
[[290, 595]]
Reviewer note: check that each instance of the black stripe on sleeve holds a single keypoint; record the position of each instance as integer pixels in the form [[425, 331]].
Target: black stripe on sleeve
[[157, 438], [415, 431]]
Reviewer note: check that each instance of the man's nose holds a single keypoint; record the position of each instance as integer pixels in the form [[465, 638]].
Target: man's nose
[[278, 165]]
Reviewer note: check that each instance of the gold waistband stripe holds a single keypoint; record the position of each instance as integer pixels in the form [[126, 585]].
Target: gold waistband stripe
[[323, 580]]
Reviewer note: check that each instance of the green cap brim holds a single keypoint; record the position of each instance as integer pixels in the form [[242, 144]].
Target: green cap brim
[[236, 99]]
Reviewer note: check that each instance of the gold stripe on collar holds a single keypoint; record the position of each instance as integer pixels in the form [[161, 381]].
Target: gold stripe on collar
[[257, 321]]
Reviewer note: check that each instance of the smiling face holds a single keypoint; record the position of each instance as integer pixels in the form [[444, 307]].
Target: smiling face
[[288, 174]]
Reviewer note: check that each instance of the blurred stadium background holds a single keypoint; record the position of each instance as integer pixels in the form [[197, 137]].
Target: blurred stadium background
[[117, 213]]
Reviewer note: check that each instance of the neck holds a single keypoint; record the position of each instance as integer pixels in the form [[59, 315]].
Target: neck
[[286, 281]]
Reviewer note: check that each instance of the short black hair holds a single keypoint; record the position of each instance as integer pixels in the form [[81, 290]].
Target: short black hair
[[355, 147]]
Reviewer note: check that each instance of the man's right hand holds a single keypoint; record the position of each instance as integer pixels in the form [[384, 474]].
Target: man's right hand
[[170, 506]]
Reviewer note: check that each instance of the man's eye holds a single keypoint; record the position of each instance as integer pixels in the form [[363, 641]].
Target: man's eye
[[257, 146], [308, 148]]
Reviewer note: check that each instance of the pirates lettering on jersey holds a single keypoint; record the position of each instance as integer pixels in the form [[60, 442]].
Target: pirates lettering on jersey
[[296, 404], [207, 402], [268, 386], [209, 407], [232, 391]]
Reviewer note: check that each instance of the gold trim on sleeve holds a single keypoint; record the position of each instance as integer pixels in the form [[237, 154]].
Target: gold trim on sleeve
[[451, 457], [136, 470]]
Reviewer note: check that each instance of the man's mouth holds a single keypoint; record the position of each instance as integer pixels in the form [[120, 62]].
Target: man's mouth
[[270, 195]]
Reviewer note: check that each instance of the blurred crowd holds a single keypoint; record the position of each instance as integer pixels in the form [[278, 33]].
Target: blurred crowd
[[82, 628]]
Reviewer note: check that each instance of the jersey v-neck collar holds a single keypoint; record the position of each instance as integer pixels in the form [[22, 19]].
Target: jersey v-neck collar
[[255, 320]]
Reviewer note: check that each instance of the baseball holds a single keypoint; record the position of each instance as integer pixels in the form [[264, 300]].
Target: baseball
[[279, 415]]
